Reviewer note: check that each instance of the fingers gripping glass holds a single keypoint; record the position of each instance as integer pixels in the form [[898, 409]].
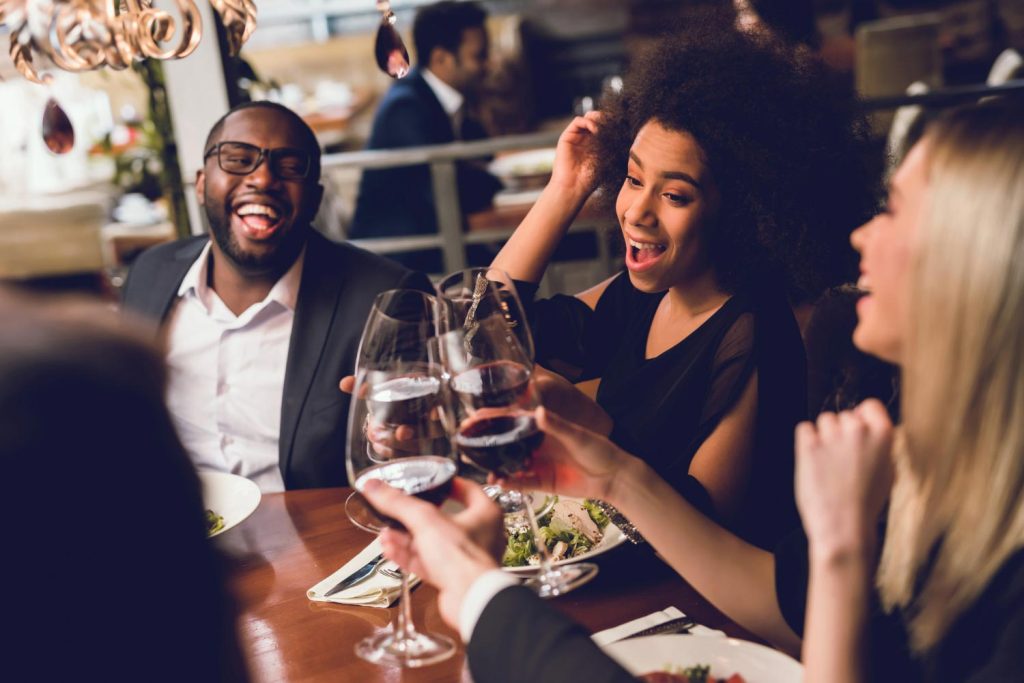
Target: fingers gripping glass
[[241, 158]]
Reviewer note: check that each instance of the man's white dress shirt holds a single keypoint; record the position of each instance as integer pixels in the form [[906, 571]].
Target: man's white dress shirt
[[451, 100], [227, 375]]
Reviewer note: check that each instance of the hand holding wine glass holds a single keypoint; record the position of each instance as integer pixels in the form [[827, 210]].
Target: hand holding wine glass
[[572, 460], [448, 553]]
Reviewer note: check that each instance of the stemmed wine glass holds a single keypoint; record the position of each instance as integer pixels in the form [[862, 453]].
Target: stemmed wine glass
[[493, 402], [396, 435], [475, 294]]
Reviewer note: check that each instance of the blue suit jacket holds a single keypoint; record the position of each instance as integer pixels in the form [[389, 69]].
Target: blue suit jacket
[[400, 201]]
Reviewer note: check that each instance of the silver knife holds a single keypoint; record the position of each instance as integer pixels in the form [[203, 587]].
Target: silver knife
[[677, 625], [358, 576]]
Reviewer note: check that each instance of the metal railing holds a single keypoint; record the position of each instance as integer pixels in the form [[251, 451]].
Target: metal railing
[[451, 238]]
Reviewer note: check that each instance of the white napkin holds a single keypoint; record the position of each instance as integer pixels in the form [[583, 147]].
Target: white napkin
[[609, 636], [376, 591]]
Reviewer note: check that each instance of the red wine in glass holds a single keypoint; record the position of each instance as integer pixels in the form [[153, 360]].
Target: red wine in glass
[[498, 384], [428, 477], [403, 400], [501, 443]]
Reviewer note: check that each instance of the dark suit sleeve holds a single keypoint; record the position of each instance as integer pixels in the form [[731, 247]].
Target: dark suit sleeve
[[521, 638], [138, 282]]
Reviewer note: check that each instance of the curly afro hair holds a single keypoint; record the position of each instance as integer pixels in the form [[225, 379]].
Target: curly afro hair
[[782, 137]]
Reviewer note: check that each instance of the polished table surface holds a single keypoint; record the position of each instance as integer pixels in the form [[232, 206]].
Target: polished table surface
[[295, 539]]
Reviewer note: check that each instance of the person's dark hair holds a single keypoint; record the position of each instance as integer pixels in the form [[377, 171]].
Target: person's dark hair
[[782, 137], [104, 524], [442, 25], [307, 137], [792, 20]]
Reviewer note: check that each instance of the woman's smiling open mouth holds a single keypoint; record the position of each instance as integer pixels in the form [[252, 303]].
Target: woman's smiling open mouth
[[642, 255]]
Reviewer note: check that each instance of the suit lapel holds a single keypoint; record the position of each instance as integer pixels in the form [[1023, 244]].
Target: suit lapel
[[167, 281], [315, 312]]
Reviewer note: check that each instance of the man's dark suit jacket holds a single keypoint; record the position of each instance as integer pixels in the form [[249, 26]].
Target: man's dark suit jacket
[[339, 283], [519, 637], [400, 201]]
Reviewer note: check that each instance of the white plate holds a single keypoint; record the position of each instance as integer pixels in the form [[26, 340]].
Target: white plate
[[612, 538], [232, 497], [528, 163], [726, 656]]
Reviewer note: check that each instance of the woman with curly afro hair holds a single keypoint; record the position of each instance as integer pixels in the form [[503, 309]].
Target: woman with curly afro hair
[[738, 170]]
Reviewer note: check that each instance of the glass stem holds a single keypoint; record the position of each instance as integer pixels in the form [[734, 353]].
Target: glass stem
[[404, 629], [538, 543]]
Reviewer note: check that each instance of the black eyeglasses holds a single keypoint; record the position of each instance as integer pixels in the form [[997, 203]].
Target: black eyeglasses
[[241, 158]]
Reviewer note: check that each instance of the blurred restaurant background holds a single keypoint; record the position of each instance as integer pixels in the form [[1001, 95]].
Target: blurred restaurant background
[[75, 221]]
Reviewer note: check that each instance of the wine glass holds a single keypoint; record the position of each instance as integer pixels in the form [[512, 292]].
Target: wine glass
[[476, 293], [473, 295], [396, 436], [492, 404]]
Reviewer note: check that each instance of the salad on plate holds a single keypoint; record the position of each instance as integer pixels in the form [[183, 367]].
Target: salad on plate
[[569, 528]]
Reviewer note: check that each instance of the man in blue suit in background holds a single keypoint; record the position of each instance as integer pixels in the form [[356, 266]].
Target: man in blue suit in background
[[428, 107]]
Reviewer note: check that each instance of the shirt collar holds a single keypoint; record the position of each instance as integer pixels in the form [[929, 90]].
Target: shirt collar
[[451, 99], [285, 291]]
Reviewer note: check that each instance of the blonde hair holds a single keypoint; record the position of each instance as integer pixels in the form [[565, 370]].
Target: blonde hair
[[957, 509]]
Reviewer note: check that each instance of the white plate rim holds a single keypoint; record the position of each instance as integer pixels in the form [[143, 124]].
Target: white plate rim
[[229, 495], [652, 653], [612, 538]]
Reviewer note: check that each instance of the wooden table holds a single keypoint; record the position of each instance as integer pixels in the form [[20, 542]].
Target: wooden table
[[295, 539]]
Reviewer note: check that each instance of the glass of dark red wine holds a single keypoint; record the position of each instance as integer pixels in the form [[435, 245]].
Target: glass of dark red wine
[[477, 294], [396, 435], [492, 414]]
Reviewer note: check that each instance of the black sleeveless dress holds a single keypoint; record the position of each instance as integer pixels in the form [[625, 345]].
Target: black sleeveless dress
[[664, 407]]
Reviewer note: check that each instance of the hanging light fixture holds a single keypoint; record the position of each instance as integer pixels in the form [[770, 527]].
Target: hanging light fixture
[[83, 35]]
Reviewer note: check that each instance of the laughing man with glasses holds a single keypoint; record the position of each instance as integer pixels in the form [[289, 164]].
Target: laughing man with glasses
[[263, 319]]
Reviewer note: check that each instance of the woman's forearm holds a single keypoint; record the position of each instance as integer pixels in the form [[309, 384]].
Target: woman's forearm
[[526, 254], [738, 578], [837, 611]]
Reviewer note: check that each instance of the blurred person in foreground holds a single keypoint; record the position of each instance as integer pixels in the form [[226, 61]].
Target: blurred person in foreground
[[430, 106], [109, 572], [737, 169], [931, 589], [262, 319]]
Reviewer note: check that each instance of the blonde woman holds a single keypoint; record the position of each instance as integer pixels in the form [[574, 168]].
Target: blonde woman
[[945, 280], [942, 268]]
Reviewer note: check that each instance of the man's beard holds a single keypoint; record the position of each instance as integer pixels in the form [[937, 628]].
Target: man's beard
[[274, 262]]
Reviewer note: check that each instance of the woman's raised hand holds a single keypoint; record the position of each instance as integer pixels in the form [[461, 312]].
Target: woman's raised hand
[[562, 396], [573, 460], [574, 157], [844, 474]]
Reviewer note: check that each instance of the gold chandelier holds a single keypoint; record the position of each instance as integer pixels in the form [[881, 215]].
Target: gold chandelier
[[83, 35]]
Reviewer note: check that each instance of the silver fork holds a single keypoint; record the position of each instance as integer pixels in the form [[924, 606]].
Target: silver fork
[[389, 572]]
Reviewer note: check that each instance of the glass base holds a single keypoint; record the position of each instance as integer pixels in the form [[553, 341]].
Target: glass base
[[361, 514], [561, 580], [416, 650]]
